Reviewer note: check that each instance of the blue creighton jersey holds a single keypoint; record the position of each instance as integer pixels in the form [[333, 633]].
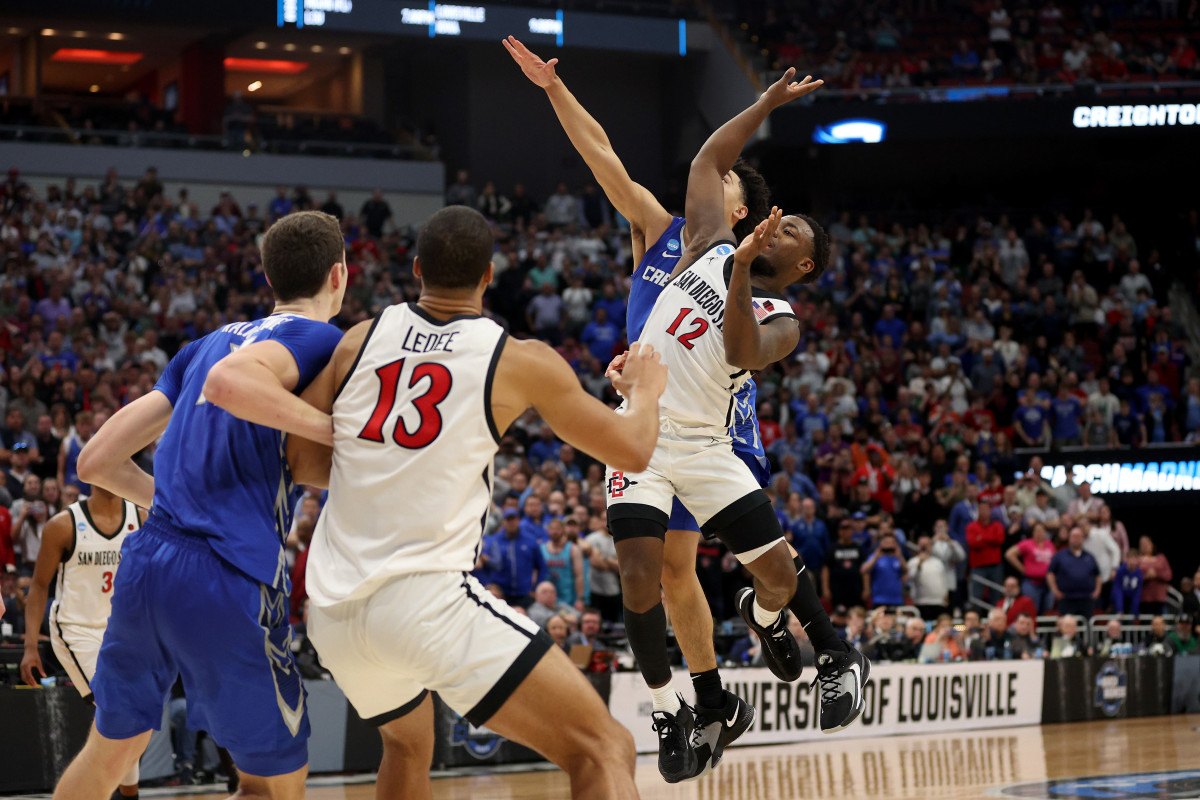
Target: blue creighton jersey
[[651, 275], [220, 477]]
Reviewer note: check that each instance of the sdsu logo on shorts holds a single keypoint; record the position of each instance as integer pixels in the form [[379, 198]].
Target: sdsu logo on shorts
[[618, 483]]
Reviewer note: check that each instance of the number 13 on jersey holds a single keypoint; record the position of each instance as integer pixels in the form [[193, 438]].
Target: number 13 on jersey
[[429, 421]]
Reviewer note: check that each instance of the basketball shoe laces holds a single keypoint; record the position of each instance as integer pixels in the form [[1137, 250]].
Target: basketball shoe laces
[[830, 684]]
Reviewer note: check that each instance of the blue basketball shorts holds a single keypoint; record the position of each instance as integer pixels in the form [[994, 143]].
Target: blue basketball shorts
[[682, 519], [179, 610]]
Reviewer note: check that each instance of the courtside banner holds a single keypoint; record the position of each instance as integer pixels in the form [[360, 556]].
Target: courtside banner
[[900, 698]]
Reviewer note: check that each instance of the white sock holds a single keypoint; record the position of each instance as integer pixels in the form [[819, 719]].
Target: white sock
[[665, 699], [762, 616]]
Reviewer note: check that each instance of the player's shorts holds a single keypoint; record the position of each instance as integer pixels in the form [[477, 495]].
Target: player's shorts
[[699, 466], [178, 609], [428, 631], [76, 647], [682, 520]]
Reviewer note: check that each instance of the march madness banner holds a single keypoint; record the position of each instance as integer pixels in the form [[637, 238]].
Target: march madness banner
[[900, 698]]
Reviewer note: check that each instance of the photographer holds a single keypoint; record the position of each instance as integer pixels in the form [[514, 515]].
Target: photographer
[[884, 573]]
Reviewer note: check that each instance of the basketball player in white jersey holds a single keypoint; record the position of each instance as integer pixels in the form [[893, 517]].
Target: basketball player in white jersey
[[723, 314], [419, 400], [82, 544], [658, 239]]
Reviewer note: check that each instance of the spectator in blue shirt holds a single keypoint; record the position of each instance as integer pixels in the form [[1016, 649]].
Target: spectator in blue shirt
[[1127, 425], [1064, 412], [1152, 386], [546, 448], [890, 328], [281, 205], [1030, 421], [1074, 577], [810, 537], [512, 560], [797, 481], [600, 336], [811, 418], [790, 444], [1127, 585], [884, 573], [533, 523], [612, 304]]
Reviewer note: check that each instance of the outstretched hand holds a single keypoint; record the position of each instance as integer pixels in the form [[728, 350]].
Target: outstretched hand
[[538, 71], [643, 372], [764, 233], [785, 90]]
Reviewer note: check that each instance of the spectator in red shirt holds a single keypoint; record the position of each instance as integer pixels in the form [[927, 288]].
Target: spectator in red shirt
[[985, 539], [1183, 57], [305, 526], [1031, 558], [768, 427], [879, 477], [1157, 576], [7, 554], [1014, 603]]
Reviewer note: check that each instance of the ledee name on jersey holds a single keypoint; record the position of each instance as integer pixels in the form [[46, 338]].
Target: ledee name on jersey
[[707, 298], [98, 558], [415, 342]]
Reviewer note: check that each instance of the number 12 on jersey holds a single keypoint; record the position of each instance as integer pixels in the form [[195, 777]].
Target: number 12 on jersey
[[429, 422], [699, 326]]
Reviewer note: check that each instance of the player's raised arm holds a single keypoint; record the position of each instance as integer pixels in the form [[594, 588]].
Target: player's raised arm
[[630, 198], [705, 207], [57, 539], [532, 374], [749, 345]]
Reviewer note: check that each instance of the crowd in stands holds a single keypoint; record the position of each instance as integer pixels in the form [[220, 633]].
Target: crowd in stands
[[928, 354], [866, 44]]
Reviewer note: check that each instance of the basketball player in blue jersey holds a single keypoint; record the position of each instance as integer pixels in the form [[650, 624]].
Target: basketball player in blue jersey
[[659, 241], [202, 592]]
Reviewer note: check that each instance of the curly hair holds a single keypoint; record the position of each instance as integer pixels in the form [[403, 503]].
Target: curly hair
[[820, 249], [756, 195]]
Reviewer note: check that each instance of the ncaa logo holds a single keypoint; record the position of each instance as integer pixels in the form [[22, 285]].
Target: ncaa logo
[[618, 483], [479, 742], [1110, 689], [81, 527], [724, 250], [673, 245]]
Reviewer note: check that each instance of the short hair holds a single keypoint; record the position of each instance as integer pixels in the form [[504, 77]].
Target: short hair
[[298, 252], [590, 610], [820, 249], [1027, 615], [755, 194], [454, 248]]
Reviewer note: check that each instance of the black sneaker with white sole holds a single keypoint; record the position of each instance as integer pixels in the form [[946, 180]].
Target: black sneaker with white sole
[[676, 759], [842, 676], [717, 728], [781, 653]]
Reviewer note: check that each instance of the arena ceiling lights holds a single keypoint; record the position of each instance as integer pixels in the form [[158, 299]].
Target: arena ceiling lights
[[276, 66], [76, 55]]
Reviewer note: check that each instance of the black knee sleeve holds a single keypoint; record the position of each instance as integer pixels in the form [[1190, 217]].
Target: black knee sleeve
[[747, 525], [808, 609], [647, 634]]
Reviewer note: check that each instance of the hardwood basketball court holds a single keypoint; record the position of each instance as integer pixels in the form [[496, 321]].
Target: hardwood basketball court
[[1011, 762]]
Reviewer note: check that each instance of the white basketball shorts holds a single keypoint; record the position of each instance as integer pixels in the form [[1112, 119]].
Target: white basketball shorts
[[429, 631]]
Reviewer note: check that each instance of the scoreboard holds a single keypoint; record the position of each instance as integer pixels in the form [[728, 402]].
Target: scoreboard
[[541, 26]]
